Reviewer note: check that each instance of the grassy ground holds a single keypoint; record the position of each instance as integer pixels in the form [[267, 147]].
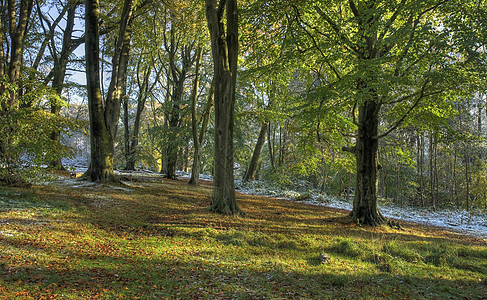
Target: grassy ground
[[157, 240]]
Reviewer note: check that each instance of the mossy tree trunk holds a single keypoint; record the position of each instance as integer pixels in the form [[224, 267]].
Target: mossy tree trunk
[[104, 118], [365, 203], [224, 45]]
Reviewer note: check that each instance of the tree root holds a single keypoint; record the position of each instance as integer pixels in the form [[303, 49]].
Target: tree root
[[394, 224]]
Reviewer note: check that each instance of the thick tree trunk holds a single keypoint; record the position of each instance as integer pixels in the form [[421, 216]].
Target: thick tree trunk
[[171, 159], [365, 204], [101, 165], [224, 47], [104, 119], [250, 174]]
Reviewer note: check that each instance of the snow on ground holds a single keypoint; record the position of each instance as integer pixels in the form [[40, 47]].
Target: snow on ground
[[470, 223]]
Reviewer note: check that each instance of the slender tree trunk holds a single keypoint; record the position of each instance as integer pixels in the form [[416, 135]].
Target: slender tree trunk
[[132, 140], [59, 73], [224, 45], [126, 134], [467, 179], [431, 171], [437, 183], [198, 138], [250, 174], [270, 145], [178, 77], [341, 191], [117, 87], [454, 177]]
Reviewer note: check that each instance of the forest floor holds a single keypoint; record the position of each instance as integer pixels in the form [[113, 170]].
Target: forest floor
[[154, 238]]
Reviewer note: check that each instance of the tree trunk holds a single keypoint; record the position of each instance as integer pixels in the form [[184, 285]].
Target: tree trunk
[[250, 174], [129, 164], [365, 204], [117, 87], [270, 145], [104, 120], [224, 47], [467, 179], [18, 18], [454, 178], [196, 167], [197, 142], [101, 165], [178, 77], [132, 140], [59, 73], [431, 171]]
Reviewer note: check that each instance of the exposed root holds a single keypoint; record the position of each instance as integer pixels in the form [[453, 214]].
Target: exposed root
[[394, 224]]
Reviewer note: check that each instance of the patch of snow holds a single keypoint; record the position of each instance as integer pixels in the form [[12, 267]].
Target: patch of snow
[[470, 223], [76, 164]]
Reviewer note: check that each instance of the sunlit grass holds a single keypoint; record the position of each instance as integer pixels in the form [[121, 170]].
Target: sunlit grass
[[160, 241]]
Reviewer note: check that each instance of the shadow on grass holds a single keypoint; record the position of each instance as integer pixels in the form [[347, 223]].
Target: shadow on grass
[[157, 217], [203, 278]]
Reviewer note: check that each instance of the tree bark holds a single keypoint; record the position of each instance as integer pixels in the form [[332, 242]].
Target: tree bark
[[59, 72], [198, 138], [251, 170], [101, 165], [17, 30], [270, 145], [365, 203], [178, 76], [132, 140], [224, 45], [196, 167], [104, 119]]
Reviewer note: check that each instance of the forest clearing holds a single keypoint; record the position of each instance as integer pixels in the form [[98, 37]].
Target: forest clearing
[[335, 134], [155, 238]]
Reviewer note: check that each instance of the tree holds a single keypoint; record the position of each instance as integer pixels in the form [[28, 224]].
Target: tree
[[17, 29], [61, 60], [199, 137], [386, 60], [224, 46], [131, 139], [104, 117]]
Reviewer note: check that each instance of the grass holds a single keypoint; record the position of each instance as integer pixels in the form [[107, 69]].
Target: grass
[[158, 241]]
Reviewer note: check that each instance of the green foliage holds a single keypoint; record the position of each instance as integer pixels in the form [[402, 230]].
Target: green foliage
[[26, 140]]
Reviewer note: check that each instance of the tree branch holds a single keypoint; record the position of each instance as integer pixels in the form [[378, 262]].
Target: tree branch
[[401, 120]]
